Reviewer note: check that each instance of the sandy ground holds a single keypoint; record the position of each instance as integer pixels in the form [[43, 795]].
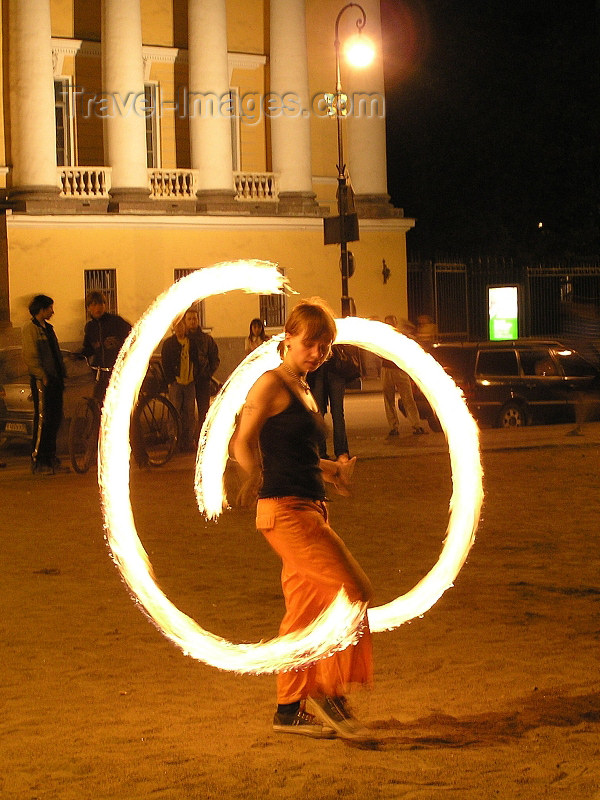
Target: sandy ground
[[495, 692]]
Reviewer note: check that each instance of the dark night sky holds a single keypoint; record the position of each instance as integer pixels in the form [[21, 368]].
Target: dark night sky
[[494, 125]]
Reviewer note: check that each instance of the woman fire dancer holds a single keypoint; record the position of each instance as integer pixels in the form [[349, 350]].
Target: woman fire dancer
[[277, 446]]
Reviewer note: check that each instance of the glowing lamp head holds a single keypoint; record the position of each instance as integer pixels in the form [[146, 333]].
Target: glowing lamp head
[[359, 50]]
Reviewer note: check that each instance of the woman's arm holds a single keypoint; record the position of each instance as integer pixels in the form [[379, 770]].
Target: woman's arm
[[265, 399]]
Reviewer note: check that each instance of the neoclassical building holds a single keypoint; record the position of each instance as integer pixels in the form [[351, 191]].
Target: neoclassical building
[[141, 139]]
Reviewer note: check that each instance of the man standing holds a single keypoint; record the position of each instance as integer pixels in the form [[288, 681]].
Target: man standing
[[47, 374], [103, 337], [179, 374], [393, 380], [204, 355]]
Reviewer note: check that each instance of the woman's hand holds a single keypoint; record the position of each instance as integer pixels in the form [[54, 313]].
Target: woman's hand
[[344, 476], [339, 473]]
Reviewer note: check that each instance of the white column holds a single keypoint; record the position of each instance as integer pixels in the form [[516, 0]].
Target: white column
[[123, 82], [290, 132], [365, 124], [33, 134], [209, 120]]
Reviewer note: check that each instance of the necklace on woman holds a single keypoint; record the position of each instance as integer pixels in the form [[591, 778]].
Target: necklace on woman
[[296, 377]]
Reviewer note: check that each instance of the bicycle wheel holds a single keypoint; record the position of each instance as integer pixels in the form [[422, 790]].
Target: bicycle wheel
[[83, 435], [158, 430]]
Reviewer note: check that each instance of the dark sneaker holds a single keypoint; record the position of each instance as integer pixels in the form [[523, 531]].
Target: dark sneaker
[[419, 431], [303, 724], [393, 432], [334, 712]]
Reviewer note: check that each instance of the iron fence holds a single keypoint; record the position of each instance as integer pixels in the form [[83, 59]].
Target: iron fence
[[454, 293]]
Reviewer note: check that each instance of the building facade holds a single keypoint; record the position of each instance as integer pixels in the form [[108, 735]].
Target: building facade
[[142, 139]]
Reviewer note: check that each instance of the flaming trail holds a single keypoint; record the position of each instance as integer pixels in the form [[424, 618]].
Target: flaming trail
[[447, 401], [335, 629]]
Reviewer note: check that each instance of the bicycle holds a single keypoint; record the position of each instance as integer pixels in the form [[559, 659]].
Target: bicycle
[[155, 427]]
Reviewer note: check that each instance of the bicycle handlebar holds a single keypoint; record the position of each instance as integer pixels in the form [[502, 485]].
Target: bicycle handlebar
[[96, 368]]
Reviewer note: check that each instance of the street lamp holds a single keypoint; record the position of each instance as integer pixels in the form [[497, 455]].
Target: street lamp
[[344, 228]]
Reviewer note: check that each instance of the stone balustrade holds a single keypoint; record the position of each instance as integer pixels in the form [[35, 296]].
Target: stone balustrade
[[82, 182], [256, 186], [172, 183]]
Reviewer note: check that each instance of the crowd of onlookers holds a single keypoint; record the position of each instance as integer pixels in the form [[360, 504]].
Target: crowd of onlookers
[[189, 359]]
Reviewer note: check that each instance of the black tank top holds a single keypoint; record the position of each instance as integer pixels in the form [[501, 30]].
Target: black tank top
[[289, 445]]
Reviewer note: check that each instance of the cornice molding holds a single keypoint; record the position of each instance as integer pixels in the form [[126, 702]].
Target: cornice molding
[[193, 222]]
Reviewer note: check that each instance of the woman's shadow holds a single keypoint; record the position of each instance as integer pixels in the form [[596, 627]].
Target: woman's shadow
[[544, 707]]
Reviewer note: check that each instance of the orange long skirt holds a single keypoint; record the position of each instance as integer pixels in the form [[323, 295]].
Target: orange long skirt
[[316, 563]]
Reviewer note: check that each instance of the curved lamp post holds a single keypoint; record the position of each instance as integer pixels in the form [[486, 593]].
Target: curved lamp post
[[344, 228]]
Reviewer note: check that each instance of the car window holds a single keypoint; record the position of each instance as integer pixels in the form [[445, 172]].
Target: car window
[[538, 361], [497, 362], [454, 361], [573, 364]]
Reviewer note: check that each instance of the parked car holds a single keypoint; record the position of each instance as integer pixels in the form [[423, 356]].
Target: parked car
[[515, 383], [16, 404]]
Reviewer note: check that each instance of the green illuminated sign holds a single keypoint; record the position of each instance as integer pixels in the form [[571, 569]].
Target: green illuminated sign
[[503, 305]]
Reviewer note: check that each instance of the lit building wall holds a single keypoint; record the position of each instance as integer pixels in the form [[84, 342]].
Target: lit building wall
[[148, 231], [145, 258]]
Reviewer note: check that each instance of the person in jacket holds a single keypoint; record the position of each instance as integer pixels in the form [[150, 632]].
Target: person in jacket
[[178, 368], [328, 385], [204, 355], [47, 373], [103, 337]]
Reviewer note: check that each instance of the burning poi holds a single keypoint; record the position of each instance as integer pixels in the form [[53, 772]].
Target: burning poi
[[337, 627]]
